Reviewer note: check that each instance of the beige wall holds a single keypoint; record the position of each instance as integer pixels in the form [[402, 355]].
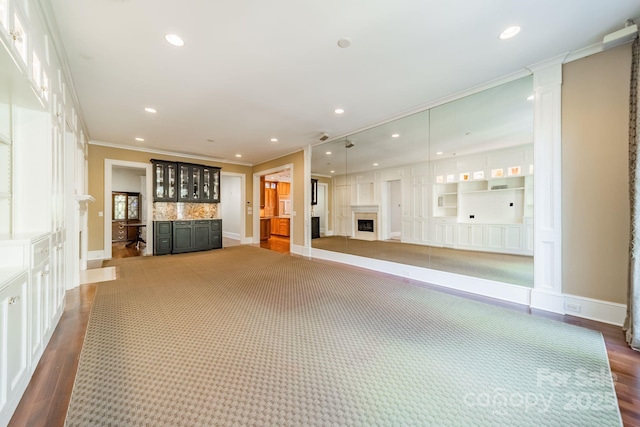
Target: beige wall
[[595, 204], [298, 187], [97, 155]]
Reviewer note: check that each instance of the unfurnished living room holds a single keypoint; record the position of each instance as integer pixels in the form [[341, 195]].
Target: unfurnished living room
[[306, 214]]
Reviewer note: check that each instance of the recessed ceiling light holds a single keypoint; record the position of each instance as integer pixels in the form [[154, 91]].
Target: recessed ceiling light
[[530, 98], [328, 152], [395, 135], [274, 139], [375, 164], [238, 155], [140, 139], [174, 40], [338, 111], [210, 140], [344, 42], [509, 32], [439, 153], [333, 171], [150, 110]]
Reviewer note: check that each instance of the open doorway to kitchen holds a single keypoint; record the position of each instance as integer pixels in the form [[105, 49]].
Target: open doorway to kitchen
[[275, 209]]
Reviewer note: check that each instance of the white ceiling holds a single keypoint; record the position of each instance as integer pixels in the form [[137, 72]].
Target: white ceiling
[[254, 70]]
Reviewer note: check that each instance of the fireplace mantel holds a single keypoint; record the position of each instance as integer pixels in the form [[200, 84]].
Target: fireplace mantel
[[365, 208]]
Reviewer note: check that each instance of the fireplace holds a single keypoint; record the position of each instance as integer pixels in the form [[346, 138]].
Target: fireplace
[[365, 222], [365, 225]]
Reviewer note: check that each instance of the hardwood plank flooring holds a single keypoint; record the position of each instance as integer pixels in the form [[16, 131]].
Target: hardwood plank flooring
[[276, 243], [120, 250], [47, 397]]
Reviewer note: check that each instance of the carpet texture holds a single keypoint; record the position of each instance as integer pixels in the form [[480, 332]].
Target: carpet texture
[[506, 268], [245, 336]]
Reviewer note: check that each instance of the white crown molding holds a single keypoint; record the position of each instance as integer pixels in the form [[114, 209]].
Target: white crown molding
[[583, 53], [166, 153]]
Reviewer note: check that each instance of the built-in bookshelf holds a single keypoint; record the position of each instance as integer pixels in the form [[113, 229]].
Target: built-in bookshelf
[[445, 200]]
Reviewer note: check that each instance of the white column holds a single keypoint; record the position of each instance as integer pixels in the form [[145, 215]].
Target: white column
[[547, 291]]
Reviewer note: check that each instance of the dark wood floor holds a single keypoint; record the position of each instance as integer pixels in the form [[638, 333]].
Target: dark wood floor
[[121, 250], [46, 400], [276, 243]]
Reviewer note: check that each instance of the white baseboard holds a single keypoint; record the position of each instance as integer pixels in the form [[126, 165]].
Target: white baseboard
[[547, 301], [593, 309], [299, 250], [95, 255], [230, 235]]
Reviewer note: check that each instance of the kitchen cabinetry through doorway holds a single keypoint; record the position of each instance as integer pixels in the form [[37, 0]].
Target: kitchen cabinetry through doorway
[[276, 209]]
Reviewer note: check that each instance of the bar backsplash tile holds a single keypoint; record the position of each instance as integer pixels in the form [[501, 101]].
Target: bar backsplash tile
[[171, 211]]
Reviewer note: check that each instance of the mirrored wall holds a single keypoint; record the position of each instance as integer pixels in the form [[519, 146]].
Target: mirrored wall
[[450, 188]]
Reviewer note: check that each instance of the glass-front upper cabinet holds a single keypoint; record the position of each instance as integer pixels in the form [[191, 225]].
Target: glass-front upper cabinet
[[215, 185], [210, 184], [185, 182], [185, 186], [164, 181]]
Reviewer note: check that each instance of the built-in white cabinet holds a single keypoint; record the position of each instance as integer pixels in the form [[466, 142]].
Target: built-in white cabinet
[[14, 354], [31, 304], [40, 296], [39, 135]]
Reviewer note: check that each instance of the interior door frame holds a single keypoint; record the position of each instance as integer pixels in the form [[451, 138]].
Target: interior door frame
[[108, 188], [243, 197], [256, 201]]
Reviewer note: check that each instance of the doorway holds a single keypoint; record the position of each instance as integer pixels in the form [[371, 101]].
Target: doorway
[[129, 236], [395, 210], [275, 201], [232, 207], [320, 210]]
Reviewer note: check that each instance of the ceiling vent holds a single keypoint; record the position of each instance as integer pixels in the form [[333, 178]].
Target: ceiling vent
[[324, 137], [627, 34]]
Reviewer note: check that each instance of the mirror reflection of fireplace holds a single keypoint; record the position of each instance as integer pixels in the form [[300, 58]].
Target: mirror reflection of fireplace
[[365, 225]]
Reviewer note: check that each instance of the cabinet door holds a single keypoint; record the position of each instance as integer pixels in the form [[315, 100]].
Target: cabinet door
[[215, 185], [184, 182], [13, 336], [196, 183], [207, 188], [201, 235], [163, 243], [182, 236], [164, 181], [216, 233]]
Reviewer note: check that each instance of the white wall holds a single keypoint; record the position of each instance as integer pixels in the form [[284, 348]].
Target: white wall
[[127, 180], [231, 206]]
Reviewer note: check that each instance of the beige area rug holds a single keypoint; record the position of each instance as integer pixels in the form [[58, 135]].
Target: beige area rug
[[506, 268], [248, 337]]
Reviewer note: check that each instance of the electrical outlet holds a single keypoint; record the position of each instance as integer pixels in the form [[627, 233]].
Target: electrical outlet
[[572, 307]]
